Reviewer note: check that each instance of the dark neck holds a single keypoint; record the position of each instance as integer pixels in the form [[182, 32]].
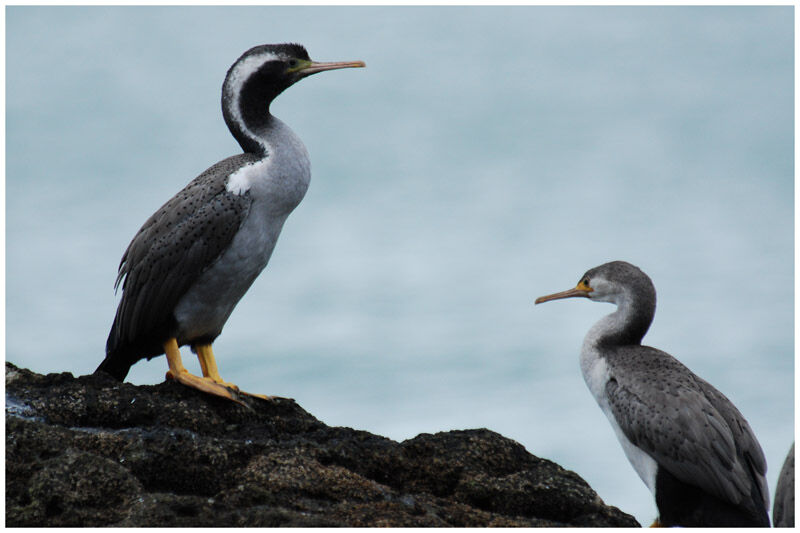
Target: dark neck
[[247, 114], [628, 324], [251, 136]]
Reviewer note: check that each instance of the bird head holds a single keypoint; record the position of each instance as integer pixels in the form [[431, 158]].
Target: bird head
[[609, 282], [256, 78], [264, 71]]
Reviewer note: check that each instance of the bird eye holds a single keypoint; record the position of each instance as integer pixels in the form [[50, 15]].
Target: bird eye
[[585, 281], [293, 63]]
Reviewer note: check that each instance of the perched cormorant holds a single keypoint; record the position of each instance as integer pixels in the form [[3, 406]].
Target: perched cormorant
[[690, 445], [194, 258]]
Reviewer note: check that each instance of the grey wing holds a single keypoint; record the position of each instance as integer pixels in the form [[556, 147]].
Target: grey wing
[[172, 249], [693, 433], [748, 448]]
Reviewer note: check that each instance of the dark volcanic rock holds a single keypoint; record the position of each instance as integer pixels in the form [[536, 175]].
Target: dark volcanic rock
[[90, 451]]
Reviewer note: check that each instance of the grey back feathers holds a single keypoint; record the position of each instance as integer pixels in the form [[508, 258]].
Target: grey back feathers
[[686, 425]]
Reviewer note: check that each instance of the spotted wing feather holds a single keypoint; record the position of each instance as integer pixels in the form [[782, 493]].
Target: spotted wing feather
[[688, 427], [170, 251]]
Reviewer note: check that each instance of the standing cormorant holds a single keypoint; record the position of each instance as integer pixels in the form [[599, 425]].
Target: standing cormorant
[[194, 258], [690, 445]]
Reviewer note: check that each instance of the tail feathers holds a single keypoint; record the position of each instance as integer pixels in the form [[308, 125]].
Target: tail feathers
[[120, 357], [117, 364]]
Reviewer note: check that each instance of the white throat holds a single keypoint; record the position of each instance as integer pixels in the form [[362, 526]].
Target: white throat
[[597, 372]]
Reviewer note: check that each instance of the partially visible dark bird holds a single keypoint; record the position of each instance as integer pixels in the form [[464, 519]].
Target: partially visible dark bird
[[690, 445], [193, 260], [783, 507]]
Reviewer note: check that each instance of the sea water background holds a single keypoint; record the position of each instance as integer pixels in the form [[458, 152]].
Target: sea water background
[[484, 157]]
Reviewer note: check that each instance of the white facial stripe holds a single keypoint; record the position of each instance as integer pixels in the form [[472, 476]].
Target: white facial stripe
[[240, 181], [245, 68], [240, 72]]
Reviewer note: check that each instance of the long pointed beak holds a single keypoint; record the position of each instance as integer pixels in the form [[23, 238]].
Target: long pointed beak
[[314, 67], [577, 292]]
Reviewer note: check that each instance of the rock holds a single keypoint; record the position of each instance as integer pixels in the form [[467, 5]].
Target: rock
[[90, 451]]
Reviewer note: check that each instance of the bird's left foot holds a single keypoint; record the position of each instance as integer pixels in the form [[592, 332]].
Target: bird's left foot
[[236, 388], [208, 364], [225, 384], [206, 385]]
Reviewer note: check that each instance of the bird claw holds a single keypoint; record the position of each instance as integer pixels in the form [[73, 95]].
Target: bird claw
[[259, 396], [225, 384], [217, 388], [206, 385]]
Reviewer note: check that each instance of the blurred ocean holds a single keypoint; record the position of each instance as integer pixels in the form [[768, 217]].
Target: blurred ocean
[[485, 156]]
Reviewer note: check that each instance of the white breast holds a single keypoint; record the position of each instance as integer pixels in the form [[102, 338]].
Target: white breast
[[275, 185], [243, 179], [278, 181], [596, 373]]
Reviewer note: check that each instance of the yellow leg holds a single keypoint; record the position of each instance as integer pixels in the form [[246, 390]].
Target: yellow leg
[[174, 360], [179, 373], [209, 365]]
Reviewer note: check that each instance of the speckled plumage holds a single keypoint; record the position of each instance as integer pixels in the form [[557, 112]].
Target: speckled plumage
[[174, 246], [686, 425], [688, 442], [193, 260]]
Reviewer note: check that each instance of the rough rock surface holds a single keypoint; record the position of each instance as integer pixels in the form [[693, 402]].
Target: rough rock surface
[[90, 451]]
